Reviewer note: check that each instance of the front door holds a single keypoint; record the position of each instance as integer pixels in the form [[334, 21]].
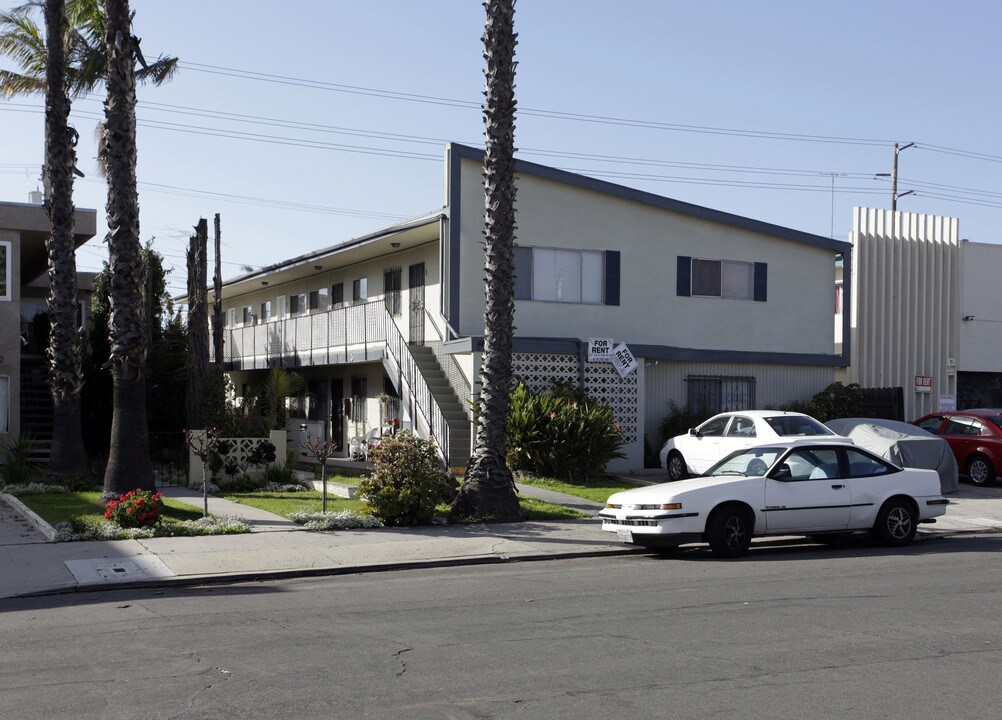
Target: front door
[[337, 413], [416, 283]]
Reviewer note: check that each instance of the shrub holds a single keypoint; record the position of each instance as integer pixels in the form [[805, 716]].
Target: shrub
[[279, 475], [407, 481], [561, 432], [340, 520], [136, 508], [33, 488], [837, 401], [678, 421], [16, 465]]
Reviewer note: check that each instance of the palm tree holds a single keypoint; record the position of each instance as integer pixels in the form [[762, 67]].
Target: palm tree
[[71, 61], [65, 366], [86, 56], [488, 491], [129, 456]]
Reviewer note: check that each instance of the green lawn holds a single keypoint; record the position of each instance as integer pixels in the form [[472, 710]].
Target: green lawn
[[86, 505], [595, 490], [285, 504]]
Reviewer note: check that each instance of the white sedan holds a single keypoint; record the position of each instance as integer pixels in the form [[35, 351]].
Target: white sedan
[[703, 447], [795, 487]]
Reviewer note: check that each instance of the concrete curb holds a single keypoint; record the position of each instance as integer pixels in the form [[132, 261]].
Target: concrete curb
[[293, 573], [31, 516]]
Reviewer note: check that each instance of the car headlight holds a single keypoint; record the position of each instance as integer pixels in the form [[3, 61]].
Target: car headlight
[[671, 506]]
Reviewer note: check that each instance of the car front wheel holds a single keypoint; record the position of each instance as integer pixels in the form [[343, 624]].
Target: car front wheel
[[897, 522], [980, 470], [676, 466], [729, 531]]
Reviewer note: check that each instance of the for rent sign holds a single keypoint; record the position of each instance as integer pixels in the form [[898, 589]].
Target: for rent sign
[[600, 349], [623, 359]]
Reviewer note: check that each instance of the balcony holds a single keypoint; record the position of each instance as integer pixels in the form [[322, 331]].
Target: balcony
[[357, 333]]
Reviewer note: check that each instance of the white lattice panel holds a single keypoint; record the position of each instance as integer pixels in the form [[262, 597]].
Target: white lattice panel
[[602, 382]]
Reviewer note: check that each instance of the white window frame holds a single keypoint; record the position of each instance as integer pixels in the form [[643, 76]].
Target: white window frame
[[266, 314], [231, 317], [247, 315], [549, 283], [8, 250]]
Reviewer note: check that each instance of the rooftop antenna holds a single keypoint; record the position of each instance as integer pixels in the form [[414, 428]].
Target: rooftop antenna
[[833, 175]]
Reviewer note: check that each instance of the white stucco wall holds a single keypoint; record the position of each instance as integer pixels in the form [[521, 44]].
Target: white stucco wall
[[980, 338], [796, 318]]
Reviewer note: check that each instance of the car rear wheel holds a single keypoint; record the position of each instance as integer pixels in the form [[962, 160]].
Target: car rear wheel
[[980, 470], [676, 466], [729, 531], [897, 522]]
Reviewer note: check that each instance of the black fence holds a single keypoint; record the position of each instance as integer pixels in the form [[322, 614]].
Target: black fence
[[886, 403], [169, 454]]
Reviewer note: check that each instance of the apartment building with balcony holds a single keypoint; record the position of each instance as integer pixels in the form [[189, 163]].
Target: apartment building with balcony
[[721, 311]]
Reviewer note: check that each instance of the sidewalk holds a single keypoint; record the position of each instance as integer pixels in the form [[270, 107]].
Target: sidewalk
[[278, 548]]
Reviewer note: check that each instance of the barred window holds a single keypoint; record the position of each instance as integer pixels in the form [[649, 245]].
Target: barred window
[[709, 395]]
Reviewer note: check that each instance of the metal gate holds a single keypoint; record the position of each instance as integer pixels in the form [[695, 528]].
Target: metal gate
[[416, 283]]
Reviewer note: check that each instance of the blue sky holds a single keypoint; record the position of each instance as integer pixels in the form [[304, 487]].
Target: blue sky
[[304, 130]]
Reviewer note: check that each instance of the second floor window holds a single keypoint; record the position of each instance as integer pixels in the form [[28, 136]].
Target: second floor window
[[266, 311], [391, 290], [297, 304], [728, 279], [360, 290], [337, 295], [248, 315]]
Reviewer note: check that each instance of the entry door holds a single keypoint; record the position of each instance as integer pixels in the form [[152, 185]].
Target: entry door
[[416, 283], [337, 413]]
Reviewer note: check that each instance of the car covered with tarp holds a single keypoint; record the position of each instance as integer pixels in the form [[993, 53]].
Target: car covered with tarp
[[903, 444]]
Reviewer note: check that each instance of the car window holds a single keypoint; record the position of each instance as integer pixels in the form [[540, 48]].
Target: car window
[[963, 425], [932, 424], [714, 427], [813, 464], [741, 426], [788, 425], [864, 465], [753, 461]]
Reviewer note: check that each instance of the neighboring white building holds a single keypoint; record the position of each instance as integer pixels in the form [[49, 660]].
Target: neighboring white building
[[925, 311], [722, 312]]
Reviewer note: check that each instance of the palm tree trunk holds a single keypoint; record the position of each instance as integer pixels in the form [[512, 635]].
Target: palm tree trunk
[[129, 456], [65, 341], [488, 491]]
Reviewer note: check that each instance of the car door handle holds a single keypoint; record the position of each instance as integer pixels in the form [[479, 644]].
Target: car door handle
[[837, 487]]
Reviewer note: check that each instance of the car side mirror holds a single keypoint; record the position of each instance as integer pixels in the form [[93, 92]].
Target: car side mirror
[[783, 472], [694, 432]]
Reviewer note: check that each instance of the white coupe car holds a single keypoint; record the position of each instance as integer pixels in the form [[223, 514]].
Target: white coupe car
[[794, 487], [703, 447]]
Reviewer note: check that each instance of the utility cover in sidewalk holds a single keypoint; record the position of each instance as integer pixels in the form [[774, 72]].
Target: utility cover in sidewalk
[[143, 567]]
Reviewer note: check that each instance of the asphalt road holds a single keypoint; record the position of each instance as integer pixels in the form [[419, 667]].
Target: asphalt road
[[853, 631]]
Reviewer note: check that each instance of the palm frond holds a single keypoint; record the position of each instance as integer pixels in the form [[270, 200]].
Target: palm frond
[[12, 84], [159, 72]]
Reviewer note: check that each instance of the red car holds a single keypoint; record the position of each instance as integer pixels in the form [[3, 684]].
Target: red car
[[975, 436]]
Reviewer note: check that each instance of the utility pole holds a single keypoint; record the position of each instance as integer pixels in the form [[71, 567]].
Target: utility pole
[[894, 177]]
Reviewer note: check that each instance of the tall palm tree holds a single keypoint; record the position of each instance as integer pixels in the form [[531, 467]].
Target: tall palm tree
[[129, 455], [72, 60], [488, 491], [65, 364]]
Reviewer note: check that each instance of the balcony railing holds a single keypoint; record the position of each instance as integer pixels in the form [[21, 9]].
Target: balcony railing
[[348, 334], [357, 333]]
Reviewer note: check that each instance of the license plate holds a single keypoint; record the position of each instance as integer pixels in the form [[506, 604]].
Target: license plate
[[624, 535]]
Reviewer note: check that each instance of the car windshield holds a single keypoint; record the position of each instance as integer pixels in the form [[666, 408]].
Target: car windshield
[[787, 425], [753, 461]]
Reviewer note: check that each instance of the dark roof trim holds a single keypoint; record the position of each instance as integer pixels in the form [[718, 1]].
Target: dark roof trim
[[427, 219], [573, 346], [550, 173]]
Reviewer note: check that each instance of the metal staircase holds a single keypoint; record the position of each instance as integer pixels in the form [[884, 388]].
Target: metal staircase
[[452, 409], [36, 411]]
